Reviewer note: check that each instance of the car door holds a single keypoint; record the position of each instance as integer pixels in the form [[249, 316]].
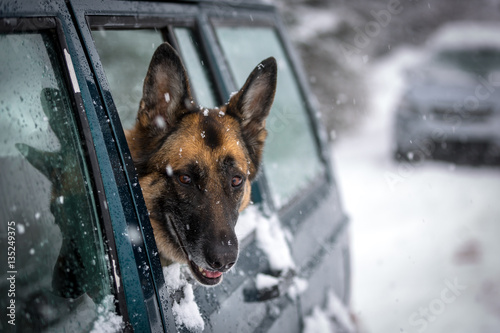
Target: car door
[[295, 196]]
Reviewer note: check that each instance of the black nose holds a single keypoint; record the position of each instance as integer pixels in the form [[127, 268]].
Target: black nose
[[222, 256], [221, 267]]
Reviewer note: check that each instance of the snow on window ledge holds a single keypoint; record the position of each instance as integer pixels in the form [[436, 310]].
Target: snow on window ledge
[[185, 310], [247, 222], [272, 240], [335, 314], [107, 320]]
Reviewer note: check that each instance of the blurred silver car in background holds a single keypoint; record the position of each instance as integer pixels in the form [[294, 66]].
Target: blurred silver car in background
[[450, 107]]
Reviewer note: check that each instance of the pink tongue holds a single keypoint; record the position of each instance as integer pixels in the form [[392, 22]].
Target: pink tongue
[[212, 275]]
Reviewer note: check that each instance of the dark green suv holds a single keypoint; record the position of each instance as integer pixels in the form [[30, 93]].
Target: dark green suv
[[77, 247]]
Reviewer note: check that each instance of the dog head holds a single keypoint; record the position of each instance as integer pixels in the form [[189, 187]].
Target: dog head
[[195, 165]]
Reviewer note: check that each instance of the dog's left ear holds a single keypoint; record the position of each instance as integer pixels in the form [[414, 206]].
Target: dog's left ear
[[166, 90], [251, 106]]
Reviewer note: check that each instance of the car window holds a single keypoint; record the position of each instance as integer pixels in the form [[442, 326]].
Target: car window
[[125, 56], [475, 61], [197, 68], [57, 276], [289, 132]]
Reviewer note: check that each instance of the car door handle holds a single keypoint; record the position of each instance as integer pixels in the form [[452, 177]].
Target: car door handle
[[285, 280]]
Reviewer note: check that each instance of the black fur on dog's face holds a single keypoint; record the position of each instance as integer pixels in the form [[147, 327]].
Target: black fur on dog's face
[[195, 165]]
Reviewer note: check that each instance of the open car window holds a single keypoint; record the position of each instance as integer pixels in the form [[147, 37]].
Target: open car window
[[126, 54], [58, 276]]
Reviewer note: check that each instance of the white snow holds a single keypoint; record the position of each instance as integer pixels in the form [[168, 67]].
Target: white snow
[[264, 281], [20, 228], [135, 235], [440, 223], [186, 311], [107, 321], [334, 315], [270, 237], [160, 122], [247, 221], [314, 23], [298, 287], [318, 322], [466, 34], [174, 280], [271, 240], [337, 310], [233, 94], [169, 170], [116, 275]]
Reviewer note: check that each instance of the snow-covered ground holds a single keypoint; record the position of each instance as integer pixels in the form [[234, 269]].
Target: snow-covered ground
[[426, 237]]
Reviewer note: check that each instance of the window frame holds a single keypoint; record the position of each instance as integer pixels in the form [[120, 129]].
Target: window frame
[[14, 23]]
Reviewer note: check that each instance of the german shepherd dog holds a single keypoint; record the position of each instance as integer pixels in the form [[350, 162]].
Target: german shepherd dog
[[195, 165]]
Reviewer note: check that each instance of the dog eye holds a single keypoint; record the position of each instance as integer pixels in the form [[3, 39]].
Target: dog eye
[[185, 179], [236, 181]]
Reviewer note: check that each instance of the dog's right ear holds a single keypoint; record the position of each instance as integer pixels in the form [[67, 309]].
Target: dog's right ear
[[166, 91], [251, 106]]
